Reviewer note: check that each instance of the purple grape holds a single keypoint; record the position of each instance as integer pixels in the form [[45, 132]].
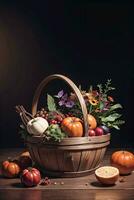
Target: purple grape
[[105, 129]]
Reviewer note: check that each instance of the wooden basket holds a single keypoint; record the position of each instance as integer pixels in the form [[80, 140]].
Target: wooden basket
[[74, 156]]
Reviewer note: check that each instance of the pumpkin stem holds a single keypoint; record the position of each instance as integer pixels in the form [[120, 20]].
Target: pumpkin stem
[[30, 168]]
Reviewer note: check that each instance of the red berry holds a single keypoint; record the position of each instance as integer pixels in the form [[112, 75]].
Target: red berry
[[59, 118], [45, 181], [53, 121]]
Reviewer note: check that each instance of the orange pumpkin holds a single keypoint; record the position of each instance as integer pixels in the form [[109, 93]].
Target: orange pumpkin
[[10, 169], [124, 161], [72, 126], [92, 122]]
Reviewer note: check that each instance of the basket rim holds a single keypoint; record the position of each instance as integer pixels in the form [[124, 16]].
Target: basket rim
[[70, 140]]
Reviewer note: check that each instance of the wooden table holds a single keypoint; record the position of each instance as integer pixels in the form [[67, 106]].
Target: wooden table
[[84, 188]]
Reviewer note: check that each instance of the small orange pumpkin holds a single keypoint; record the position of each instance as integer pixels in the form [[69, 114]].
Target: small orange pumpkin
[[72, 126], [10, 169], [124, 161], [92, 121]]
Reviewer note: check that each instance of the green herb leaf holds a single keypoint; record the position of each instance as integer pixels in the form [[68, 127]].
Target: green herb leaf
[[118, 122], [23, 132], [110, 118], [114, 107], [54, 133], [116, 127], [90, 89], [51, 103], [108, 87], [101, 105], [100, 88]]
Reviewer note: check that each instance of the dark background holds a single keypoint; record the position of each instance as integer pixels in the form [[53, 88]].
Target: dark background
[[88, 42]]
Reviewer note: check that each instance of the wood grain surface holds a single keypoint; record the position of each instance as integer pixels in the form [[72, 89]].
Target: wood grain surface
[[66, 188]]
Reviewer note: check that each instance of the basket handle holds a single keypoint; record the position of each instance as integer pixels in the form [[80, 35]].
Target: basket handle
[[75, 89]]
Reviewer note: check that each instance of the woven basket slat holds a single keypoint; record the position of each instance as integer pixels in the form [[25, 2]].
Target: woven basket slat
[[85, 159], [44, 153], [75, 158], [97, 157], [103, 150]]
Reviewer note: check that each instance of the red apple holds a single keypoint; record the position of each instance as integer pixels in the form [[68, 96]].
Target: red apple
[[91, 132], [99, 131]]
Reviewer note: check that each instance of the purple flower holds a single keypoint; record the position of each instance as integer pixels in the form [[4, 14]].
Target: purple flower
[[61, 103], [64, 97], [64, 100], [60, 94], [69, 104]]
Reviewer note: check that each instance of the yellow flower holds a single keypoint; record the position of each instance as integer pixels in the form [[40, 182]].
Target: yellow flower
[[97, 110], [93, 101], [87, 95], [90, 98]]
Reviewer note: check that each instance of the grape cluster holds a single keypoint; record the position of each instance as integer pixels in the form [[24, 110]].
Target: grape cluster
[[42, 113], [52, 117], [69, 114], [55, 118]]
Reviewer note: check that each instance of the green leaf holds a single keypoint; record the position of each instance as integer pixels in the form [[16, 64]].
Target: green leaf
[[114, 107], [101, 105], [111, 118], [54, 133], [90, 89], [119, 122], [23, 132], [100, 88], [108, 86], [51, 103], [116, 127]]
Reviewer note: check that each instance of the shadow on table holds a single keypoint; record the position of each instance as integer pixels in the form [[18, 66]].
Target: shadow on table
[[17, 185], [98, 184]]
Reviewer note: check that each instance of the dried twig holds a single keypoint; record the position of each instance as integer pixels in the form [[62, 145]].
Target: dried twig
[[24, 115]]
